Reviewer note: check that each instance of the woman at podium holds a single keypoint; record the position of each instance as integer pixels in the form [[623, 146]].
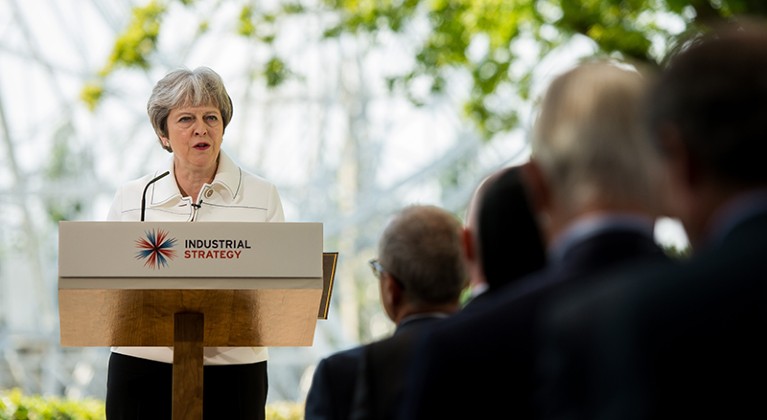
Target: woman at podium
[[189, 111]]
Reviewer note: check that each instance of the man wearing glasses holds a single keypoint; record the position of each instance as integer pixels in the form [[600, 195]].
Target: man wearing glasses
[[421, 271]]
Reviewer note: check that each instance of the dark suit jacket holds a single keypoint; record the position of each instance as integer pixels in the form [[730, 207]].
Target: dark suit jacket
[[382, 373], [483, 364], [331, 394], [660, 341], [332, 388]]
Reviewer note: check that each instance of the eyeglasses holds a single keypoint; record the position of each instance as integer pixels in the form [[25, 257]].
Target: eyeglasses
[[378, 271], [377, 268]]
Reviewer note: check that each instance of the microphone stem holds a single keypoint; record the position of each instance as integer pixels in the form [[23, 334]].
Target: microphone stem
[[143, 196]]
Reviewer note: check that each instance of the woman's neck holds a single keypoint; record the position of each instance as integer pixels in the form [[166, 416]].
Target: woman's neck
[[190, 182]]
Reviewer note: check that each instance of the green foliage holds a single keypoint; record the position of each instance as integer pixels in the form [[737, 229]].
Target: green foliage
[[465, 296], [459, 27], [17, 406], [285, 410], [478, 38], [139, 39], [91, 94], [623, 28], [276, 71], [615, 26], [259, 26], [246, 26], [678, 253], [131, 49], [370, 15]]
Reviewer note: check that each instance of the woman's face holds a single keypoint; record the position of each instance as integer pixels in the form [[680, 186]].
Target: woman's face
[[195, 135]]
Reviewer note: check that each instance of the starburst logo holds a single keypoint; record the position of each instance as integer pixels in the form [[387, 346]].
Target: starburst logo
[[156, 249]]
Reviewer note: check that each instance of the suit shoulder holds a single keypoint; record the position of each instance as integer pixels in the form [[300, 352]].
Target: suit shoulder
[[342, 358]]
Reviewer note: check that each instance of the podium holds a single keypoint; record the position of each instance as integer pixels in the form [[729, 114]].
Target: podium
[[189, 286]]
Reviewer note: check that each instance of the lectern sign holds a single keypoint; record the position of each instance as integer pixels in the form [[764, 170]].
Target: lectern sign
[[226, 249], [156, 248], [193, 255]]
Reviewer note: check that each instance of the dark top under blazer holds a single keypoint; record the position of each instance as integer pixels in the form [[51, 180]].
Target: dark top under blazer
[[483, 364]]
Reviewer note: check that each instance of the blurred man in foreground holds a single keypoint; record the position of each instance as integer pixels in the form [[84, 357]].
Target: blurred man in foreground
[[688, 341]]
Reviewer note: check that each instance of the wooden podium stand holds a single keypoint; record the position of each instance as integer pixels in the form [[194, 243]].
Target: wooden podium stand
[[189, 285]]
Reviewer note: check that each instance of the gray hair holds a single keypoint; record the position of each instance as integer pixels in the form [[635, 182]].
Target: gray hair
[[184, 87], [590, 139], [422, 248]]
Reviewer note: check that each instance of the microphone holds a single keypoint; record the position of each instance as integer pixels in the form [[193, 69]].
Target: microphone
[[143, 197], [197, 206]]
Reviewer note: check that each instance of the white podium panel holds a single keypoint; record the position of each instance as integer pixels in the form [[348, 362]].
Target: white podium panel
[[257, 284], [181, 255]]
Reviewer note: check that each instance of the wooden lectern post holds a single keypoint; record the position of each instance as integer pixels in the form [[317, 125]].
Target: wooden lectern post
[[190, 286], [188, 328]]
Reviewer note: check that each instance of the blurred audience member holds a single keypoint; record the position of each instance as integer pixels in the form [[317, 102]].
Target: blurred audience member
[[421, 270], [594, 183], [687, 340], [503, 240]]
